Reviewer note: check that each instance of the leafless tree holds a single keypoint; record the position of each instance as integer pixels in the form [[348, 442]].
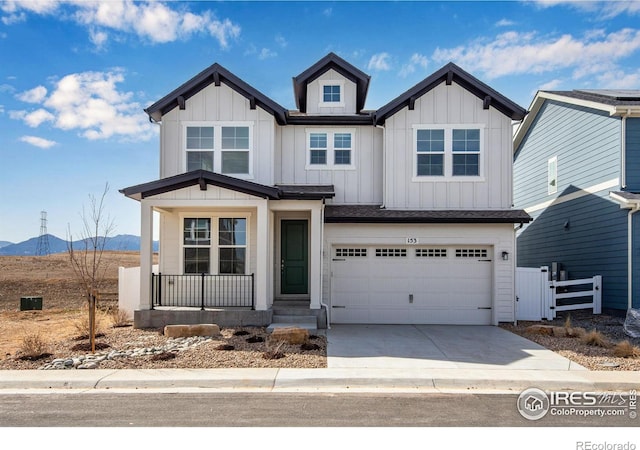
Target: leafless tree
[[86, 254]]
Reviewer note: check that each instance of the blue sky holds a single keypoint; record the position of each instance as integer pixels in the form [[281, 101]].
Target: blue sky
[[75, 75]]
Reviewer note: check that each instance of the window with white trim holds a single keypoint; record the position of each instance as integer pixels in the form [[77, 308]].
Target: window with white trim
[[331, 93], [222, 248], [219, 147], [330, 149], [452, 151], [552, 175]]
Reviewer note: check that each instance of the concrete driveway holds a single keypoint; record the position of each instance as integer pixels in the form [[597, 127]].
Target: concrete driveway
[[437, 347]]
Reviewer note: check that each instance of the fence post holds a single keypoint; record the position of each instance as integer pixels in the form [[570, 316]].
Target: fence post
[[597, 294], [253, 295], [202, 291]]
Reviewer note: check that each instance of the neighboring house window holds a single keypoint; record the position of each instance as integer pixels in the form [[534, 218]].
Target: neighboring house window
[[232, 243], [331, 93], [220, 147], [197, 245], [200, 249], [452, 151], [199, 148], [330, 149], [552, 175]]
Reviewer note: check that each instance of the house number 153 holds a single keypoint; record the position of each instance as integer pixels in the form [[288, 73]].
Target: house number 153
[[411, 240]]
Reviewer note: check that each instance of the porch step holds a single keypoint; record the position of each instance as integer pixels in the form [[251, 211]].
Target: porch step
[[293, 318], [310, 326]]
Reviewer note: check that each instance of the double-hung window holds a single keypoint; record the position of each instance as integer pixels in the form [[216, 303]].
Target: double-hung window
[[215, 243], [330, 149], [220, 147], [448, 152]]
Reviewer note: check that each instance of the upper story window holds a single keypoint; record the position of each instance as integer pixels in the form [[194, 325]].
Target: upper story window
[[220, 147], [330, 149], [331, 93], [446, 152]]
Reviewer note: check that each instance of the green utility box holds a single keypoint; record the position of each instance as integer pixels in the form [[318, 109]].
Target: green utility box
[[30, 303]]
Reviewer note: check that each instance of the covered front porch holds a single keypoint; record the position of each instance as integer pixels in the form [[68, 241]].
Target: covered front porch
[[228, 250]]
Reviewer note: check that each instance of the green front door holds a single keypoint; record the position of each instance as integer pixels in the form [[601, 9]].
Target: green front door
[[294, 264]]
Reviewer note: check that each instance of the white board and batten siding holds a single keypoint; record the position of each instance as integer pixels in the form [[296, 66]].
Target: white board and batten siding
[[218, 104], [448, 105], [314, 93], [450, 274], [360, 185]]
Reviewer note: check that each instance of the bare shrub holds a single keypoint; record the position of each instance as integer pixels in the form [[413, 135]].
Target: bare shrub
[[274, 351], [34, 347], [83, 325], [596, 339], [624, 349], [119, 318]]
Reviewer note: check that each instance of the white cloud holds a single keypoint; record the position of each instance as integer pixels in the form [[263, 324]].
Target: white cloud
[[265, 53], [379, 61], [416, 60], [7, 88], [519, 53], [1, 109], [36, 118], [38, 142], [327, 12], [35, 95], [550, 85], [618, 79], [153, 21], [505, 23], [605, 9], [91, 103], [281, 41]]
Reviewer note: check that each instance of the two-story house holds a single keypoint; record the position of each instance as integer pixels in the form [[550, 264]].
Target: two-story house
[[576, 172], [401, 215]]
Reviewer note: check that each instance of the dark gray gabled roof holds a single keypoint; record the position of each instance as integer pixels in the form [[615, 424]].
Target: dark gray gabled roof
[[306, 191], [449, 74], [611, 97], [215, 74], [203, 178], [331, 61], [376, 214]]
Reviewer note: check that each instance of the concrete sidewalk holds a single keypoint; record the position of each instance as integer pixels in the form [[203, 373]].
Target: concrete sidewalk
[[315, 380]]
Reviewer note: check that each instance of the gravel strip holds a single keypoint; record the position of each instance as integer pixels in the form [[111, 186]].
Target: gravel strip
[[205, 355]]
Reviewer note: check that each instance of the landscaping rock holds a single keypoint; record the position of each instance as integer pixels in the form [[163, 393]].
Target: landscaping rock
[[182, 331], [541, 329], [290, 335]]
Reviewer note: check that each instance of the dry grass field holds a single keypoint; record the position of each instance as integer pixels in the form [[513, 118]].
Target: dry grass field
[[52, 278]]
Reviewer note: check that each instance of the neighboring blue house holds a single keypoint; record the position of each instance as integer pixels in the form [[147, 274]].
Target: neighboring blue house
[[577, 173]]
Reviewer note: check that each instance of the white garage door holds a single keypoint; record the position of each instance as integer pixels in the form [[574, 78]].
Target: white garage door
[[411, 285]]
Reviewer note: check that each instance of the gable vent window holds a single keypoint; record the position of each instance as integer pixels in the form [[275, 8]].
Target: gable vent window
[[391, 252], [331, 94], [431, 252], [351, 252], [471, 253]]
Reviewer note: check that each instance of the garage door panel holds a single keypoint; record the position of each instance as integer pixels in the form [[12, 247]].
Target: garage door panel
[[448, 285]]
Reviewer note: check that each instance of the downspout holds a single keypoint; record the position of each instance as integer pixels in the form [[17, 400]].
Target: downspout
[[623, 151], [634, 209], [384, 167], [322, 265]]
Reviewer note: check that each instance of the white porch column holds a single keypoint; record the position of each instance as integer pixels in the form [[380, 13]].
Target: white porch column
[[262, 300], [146, 254], [315, 257]]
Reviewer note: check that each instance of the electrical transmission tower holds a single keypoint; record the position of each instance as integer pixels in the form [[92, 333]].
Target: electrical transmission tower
[[43, 239]]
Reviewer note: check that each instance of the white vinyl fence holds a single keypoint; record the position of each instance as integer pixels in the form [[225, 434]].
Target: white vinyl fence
[[129, 288], [539, 298]]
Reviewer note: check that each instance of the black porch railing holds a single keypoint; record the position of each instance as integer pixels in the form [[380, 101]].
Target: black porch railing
[[202, 291]]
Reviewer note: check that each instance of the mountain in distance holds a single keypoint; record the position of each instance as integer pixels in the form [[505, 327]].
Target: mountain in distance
[[121, 242], [5, 243]]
